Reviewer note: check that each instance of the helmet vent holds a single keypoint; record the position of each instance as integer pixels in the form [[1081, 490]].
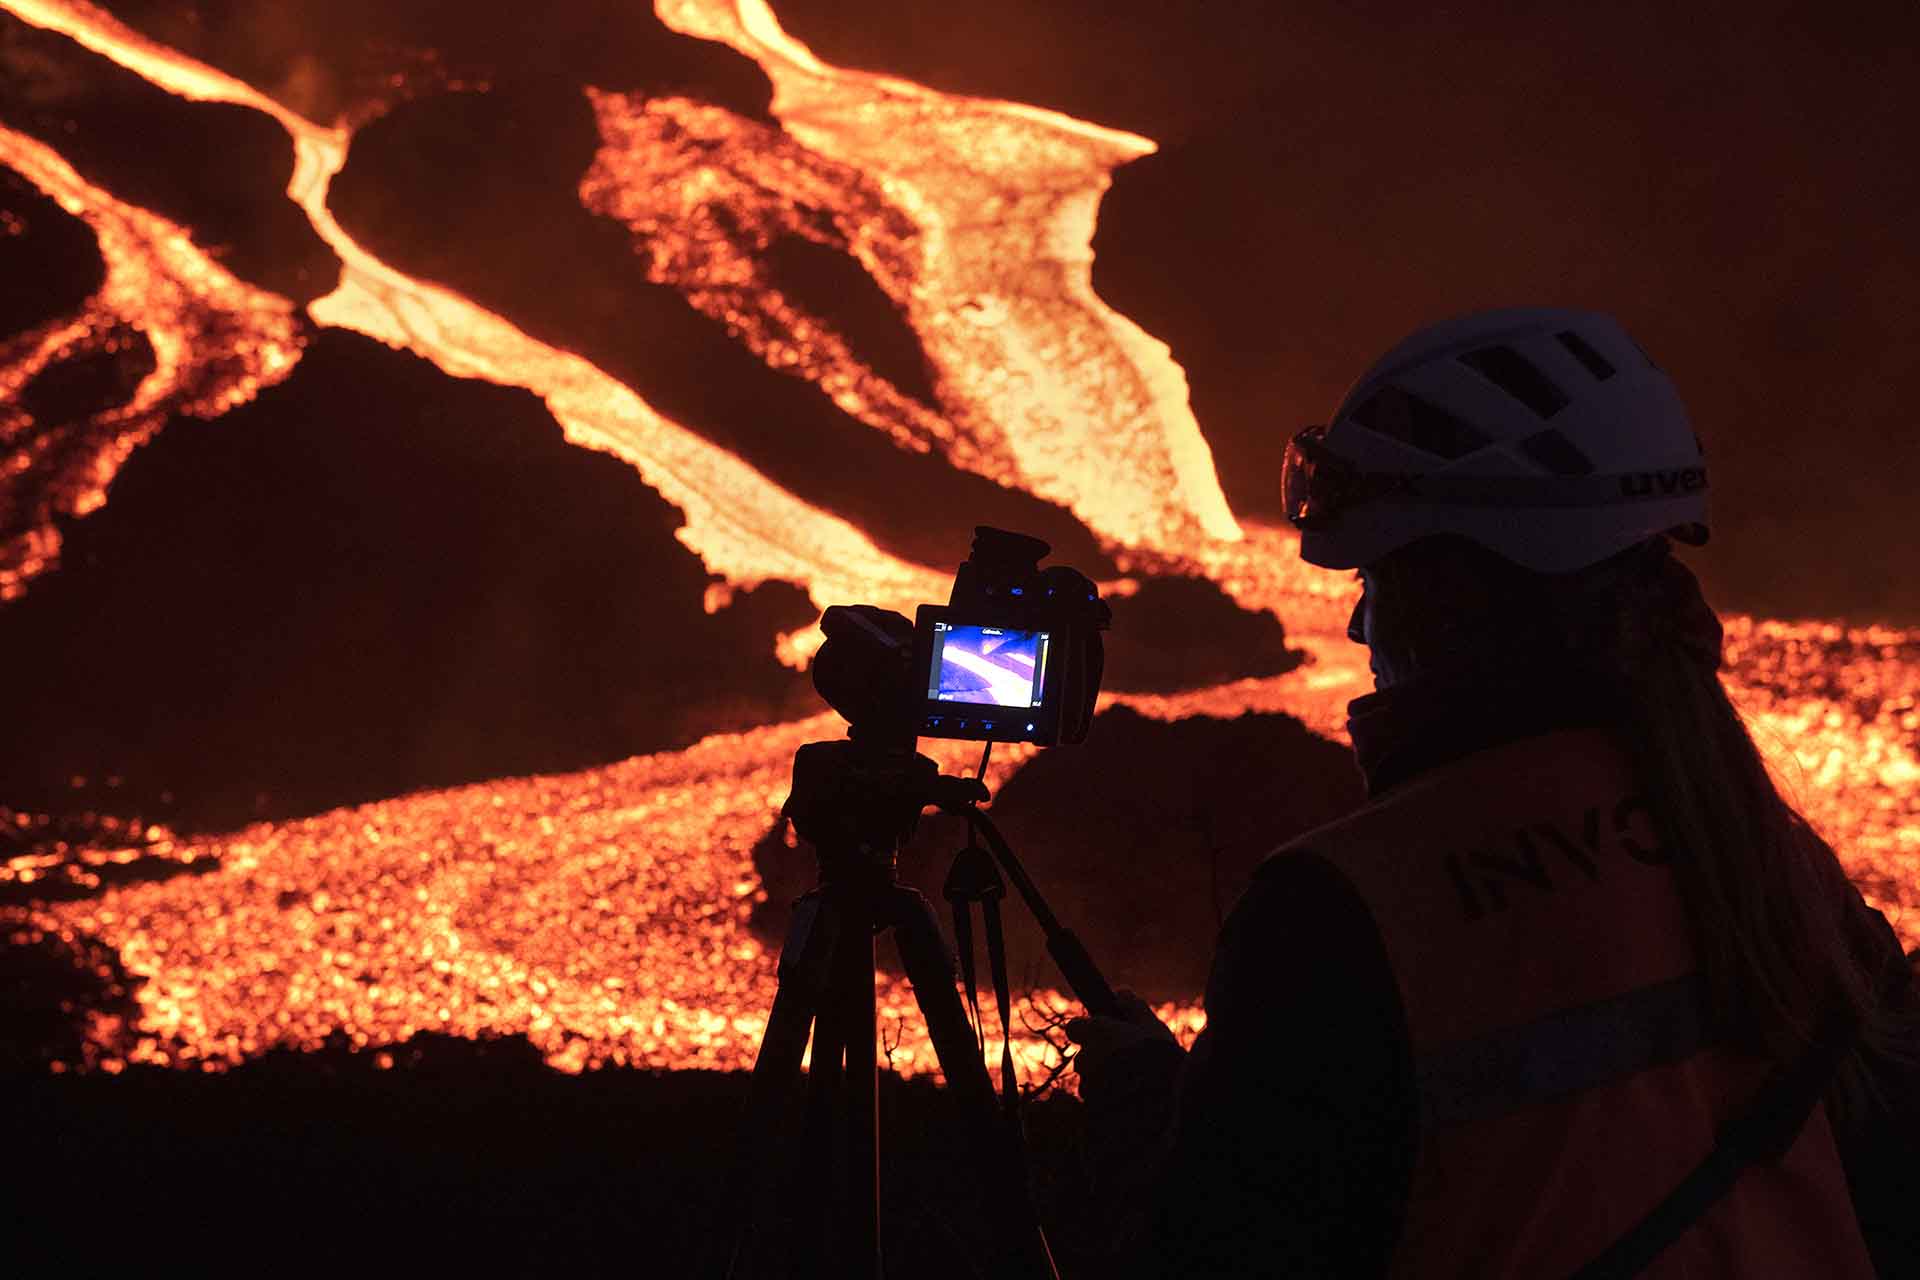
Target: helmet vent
[[1514, 374], [1556, 453], [1411, 420], [1578, 347]]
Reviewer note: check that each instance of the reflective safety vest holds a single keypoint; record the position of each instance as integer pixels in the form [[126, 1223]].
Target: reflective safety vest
[[1566, 1083]]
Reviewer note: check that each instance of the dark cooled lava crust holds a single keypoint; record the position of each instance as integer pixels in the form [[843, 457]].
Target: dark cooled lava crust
[[372, 579], [217, 169]]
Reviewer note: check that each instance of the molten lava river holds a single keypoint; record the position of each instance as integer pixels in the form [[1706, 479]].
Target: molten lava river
[[603, 914]]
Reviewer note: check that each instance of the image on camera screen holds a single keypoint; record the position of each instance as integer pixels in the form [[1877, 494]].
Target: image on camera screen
[[991, 665]]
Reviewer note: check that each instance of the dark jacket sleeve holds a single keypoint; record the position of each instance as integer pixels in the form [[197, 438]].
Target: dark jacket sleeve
[[1880, 1147], [1294, 1130]]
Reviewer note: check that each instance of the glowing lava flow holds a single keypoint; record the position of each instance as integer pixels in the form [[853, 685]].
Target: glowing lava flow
[[1837, 713], [215, 342], [1061, 396], [707, 192], [202, 1002], [1092, 411], [602, 914], [743, 527]]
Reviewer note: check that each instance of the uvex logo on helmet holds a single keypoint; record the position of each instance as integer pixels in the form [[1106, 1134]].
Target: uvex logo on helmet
[[1659, 484]]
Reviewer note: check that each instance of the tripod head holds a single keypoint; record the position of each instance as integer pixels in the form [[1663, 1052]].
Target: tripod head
[[857, 801], [1015, 656]]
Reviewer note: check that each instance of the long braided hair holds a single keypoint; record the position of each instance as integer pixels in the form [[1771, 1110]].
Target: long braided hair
[[1786, 950]]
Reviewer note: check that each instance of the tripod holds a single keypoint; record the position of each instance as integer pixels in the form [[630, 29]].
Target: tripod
[[856, 803]]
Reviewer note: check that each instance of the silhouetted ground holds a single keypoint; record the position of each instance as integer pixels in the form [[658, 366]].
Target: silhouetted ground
[[455, 1157], [464, 1158]]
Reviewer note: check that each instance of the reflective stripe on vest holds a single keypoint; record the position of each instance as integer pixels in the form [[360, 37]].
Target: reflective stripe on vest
[[1562, 1054], [1547, 974]]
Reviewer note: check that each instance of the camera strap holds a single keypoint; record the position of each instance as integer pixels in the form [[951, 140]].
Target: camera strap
[[1763, 1131], [997, 962], [963, 943], [974, 878]]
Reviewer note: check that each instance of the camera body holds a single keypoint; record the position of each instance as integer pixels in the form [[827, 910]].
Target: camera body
[[1014, 656]]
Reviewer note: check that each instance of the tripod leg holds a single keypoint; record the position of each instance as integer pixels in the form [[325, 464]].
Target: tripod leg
[[805, 969], [994, 1145], [924, 956], [854, 997], [818, 1168]]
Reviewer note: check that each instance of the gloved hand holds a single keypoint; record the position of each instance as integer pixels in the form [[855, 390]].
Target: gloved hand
[[1107, 1041], [1129, 1070]]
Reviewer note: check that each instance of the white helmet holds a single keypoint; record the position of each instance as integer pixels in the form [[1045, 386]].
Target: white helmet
[[1545, 435]]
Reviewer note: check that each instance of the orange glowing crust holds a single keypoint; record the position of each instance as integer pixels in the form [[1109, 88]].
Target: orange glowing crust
[[1106, 413], [705, 192], [743, 527], [1836, 712], [216, 342], [602, 914], [1058, 394]]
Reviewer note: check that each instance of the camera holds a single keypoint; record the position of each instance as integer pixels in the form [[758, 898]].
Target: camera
[[1015, 655]]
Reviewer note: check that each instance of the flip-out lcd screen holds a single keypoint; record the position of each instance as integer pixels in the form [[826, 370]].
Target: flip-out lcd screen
[[994, 666]]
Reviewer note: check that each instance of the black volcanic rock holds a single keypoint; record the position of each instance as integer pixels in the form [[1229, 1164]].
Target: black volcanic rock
[[218, 170], [1184, 633], [61, 999], [1143, 837], [832, 282], [1140, 839], [372, 579], [48, 257], [96, 378], [479, 191]]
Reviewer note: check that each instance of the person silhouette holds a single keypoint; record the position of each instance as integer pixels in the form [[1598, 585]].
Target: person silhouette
[[1576, 991]]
